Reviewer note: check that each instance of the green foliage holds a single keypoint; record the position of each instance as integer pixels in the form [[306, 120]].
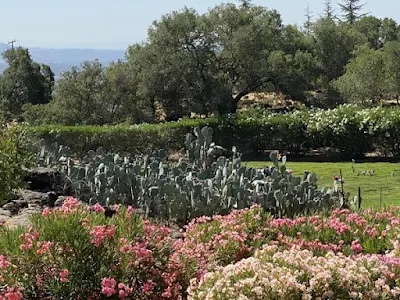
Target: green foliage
[[92, 94], [334, 46], [296, 132], [351, 10], [372, 75], [204, 182], [15, 155], [366, 78], [91, 248], [23, 82]]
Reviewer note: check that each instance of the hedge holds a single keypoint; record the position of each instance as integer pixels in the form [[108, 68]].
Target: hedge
[[347, 130]]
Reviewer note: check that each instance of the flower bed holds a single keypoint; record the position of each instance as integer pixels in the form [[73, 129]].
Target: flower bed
[[77, 252]]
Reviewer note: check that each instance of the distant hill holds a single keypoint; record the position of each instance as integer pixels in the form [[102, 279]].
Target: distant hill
[[61, 60]]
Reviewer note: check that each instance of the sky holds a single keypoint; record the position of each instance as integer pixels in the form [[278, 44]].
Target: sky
[[115, 24]]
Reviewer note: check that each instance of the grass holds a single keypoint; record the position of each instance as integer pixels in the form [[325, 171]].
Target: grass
[[370, 185]]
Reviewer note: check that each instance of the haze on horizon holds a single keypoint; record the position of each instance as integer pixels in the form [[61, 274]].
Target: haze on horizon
[[105, 24]]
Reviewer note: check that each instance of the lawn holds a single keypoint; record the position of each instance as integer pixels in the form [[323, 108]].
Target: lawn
[[386, 176]]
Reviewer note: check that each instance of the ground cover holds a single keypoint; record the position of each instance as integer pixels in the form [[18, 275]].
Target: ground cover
[[385, 176]]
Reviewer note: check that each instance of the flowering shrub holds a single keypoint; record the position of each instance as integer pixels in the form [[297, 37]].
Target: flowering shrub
[[297, 131], [298, 274], [219, 241], [75, 252]]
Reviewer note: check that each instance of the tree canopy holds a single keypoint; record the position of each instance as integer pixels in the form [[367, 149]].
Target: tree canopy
[[194, 63]]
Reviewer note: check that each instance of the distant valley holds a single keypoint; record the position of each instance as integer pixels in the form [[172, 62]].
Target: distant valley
[[61, 60]]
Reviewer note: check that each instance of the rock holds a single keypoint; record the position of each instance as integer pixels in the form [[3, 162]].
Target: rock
[[50, 199], [23, 218], [59, 202], [44, 179], [21, 203], [4, 212], [11, 207], [33, 197]]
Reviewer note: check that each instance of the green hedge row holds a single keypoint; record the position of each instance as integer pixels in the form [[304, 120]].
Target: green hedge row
[[348, 130]]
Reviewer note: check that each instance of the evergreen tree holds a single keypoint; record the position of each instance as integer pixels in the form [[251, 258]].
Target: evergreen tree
[[308, 23], [245, 3], [351, 10], [329, 11]]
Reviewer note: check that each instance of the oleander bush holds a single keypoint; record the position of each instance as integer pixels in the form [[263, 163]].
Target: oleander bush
[[81, 252]]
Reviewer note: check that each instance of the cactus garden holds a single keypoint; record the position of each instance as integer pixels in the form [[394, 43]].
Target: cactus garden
[[205, 226]]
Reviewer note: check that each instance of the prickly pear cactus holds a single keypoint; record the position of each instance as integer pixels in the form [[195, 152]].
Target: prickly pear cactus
[[204, 182]]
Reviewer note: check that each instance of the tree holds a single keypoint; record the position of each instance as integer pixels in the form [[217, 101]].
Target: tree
[[245, 3], [93, 95], [206, 63], [351, 10], [329, 12], [370, 27], [334, 46], [366, 77], [390, 31], [23, 82], [308, 22], [391, 52], [79, 95], [121, 97]]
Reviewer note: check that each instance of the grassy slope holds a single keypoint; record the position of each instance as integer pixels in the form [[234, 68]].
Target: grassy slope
[[370, 185]]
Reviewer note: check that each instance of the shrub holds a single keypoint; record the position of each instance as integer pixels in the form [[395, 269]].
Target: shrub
[[298, 274], [15, 155], [80, 252], [210, 243], [296, 132], [75, 252]]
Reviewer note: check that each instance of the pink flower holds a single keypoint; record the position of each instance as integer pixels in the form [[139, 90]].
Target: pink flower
[[70, 205], [108, 286], [98, 208], [167, 293], [13, 294], [63, 275], [38, 280], [116, 207], [43, 247], [129, 211], [148, 287], [46, 212], [4, 263], [356, 246], [100, 233]]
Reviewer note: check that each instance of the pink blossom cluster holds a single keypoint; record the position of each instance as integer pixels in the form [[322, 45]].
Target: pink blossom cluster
[[109, 288], [64, 275], [28, 238], [43, 247], [12, 294], [100, 233], [4, 263]]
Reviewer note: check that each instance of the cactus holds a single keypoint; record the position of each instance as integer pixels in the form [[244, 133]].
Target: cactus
[[204, 182]]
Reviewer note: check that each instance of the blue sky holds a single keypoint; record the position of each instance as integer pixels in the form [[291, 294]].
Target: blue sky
[[115, 24]]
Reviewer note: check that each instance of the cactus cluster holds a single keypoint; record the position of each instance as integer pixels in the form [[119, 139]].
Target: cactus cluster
[[204, 182]]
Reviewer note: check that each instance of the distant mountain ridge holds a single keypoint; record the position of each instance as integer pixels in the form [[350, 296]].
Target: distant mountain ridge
[[61, 60]]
